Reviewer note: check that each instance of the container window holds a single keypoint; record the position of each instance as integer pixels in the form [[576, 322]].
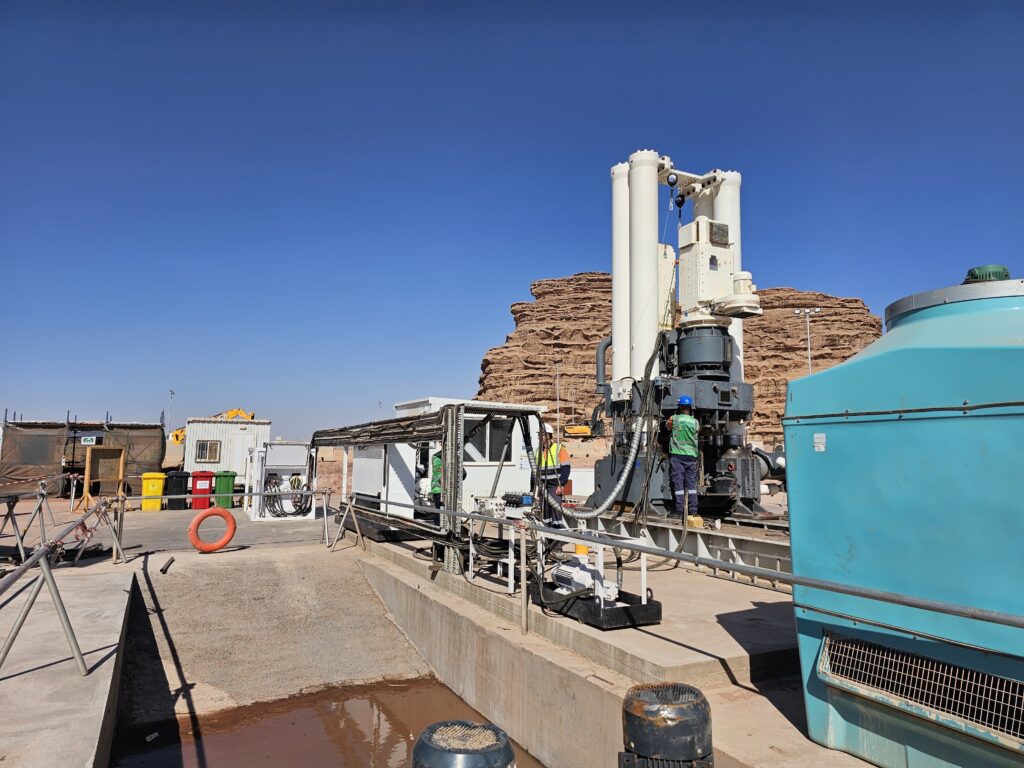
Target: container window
[[207, 451], [476, 446], [486, 445], [499, 432]]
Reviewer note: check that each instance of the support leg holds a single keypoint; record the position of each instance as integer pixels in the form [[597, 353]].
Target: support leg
[[118, 550], [58, 603], [340, 534], [18, 622]]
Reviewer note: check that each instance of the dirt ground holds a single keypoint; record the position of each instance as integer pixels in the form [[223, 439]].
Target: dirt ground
[[274, 615]]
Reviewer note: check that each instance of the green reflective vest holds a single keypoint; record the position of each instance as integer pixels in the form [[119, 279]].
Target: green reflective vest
[[435, 473], [684, 435]]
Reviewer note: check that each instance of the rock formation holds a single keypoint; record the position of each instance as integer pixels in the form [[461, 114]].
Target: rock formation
[[775, 348], [549, 357]]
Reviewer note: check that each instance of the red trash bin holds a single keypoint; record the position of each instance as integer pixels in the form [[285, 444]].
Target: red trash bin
[[202, 487]]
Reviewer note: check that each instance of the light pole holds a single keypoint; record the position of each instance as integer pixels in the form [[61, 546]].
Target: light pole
[[558, 403], [807, 312], [170, 406]]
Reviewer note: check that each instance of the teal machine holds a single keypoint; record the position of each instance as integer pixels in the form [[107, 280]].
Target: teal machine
[[906, 475]]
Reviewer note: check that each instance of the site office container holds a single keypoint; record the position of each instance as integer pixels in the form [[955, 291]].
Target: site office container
[[390, 471], [220, 445]]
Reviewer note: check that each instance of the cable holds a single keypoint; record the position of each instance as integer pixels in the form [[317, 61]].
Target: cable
[[300, 502], [634, 448]]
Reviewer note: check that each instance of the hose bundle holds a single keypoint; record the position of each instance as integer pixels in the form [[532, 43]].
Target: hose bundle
[[639, 423], [300, 502]]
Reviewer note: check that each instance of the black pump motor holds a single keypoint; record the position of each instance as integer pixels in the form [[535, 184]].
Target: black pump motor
[[667, 725], [462, 744]]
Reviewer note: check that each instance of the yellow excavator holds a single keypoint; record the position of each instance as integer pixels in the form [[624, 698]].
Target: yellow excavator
[[178, 435]]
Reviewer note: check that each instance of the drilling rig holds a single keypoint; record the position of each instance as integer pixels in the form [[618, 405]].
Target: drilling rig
[[664, 347]]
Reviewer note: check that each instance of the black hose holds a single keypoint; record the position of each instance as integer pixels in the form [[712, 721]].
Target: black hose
[[301, 501]]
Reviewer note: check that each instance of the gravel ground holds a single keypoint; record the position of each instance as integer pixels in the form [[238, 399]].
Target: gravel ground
[[256, 624]]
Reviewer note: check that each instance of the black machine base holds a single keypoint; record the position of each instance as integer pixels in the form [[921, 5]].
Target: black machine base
[[375, 530], [627, 611], [629, 760]]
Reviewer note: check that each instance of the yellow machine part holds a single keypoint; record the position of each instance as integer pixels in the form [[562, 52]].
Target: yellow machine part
[[578, 431], [177, 437]]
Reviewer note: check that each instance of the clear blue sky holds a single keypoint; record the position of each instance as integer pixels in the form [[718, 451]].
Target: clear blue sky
[[305, 208]]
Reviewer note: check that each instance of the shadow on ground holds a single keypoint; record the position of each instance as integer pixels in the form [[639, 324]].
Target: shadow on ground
[[147, 732]]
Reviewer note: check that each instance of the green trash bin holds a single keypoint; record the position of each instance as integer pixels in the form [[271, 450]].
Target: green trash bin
[[223, 489]]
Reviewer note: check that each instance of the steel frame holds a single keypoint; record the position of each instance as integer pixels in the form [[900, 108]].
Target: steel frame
[[724, 545]]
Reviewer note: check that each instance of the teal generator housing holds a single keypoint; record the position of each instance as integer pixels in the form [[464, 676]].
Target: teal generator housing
[[906, 475]]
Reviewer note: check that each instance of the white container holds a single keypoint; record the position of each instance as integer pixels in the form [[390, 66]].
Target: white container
[[220, 445], [391, 472]]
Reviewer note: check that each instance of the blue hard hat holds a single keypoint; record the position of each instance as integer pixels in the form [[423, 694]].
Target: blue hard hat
[[686, 400]]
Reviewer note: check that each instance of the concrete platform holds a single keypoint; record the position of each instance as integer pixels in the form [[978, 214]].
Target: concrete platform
[[50, 715], [539, 690], [714, 631]]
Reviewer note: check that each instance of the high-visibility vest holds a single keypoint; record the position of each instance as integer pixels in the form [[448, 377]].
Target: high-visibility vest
[[435, 473], [554, 457], [683, 441]]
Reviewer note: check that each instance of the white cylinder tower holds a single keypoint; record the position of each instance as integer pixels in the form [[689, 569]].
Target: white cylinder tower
[[643, 259], [727, 211], [620, 271]]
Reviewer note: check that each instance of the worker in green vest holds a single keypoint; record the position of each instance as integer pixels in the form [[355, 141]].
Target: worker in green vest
[[435, 483], [554, 474], [683, 456]]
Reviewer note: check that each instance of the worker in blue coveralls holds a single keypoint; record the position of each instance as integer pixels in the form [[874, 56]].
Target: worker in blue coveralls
[[683, 457]]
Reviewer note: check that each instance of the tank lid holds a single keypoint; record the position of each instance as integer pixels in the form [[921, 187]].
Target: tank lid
[[987, 273], [968, 291]]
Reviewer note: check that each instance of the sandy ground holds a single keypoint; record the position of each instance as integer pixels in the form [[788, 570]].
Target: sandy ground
[[273, 615]]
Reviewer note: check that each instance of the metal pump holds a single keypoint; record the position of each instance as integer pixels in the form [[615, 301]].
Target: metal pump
[[666, 725], [463, 744]]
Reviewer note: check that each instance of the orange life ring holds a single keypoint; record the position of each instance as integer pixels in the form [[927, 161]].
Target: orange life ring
[[223, 541]]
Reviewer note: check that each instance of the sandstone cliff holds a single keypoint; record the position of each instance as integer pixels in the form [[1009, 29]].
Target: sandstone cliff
[[549, 357], [775, 347]]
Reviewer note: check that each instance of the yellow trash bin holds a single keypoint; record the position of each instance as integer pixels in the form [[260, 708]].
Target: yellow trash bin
[[152, 485]]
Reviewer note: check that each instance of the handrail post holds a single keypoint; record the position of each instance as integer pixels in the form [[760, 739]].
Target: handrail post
[[525, 598]]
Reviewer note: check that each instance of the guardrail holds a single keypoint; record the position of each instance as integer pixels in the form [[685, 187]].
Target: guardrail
[[951, 609], [110, 512], [325, 494], [41, 556]]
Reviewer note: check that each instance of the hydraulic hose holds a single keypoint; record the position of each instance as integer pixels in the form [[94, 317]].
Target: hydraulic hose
[[634, 449], [602, 348]]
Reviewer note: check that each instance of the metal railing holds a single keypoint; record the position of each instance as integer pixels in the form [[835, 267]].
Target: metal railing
[[41, 556], [110, 512], [314, 493], [754, 572]]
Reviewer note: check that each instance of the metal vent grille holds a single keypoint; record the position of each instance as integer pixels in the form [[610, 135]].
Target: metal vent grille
[[987, 701], [464, 737], [666, 693]]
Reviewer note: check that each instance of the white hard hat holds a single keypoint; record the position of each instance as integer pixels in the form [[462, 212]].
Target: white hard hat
[[548, 429]]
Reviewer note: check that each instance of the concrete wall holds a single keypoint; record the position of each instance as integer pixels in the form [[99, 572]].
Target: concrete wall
[[563, 709]]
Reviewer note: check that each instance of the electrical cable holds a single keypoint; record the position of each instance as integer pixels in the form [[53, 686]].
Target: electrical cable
[[300, 502], [578, 513]]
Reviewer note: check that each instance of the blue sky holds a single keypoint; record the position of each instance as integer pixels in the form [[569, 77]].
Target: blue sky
[[306, 208]]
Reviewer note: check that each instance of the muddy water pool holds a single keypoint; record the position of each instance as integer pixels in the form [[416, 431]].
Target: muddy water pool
[[353, 727]]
